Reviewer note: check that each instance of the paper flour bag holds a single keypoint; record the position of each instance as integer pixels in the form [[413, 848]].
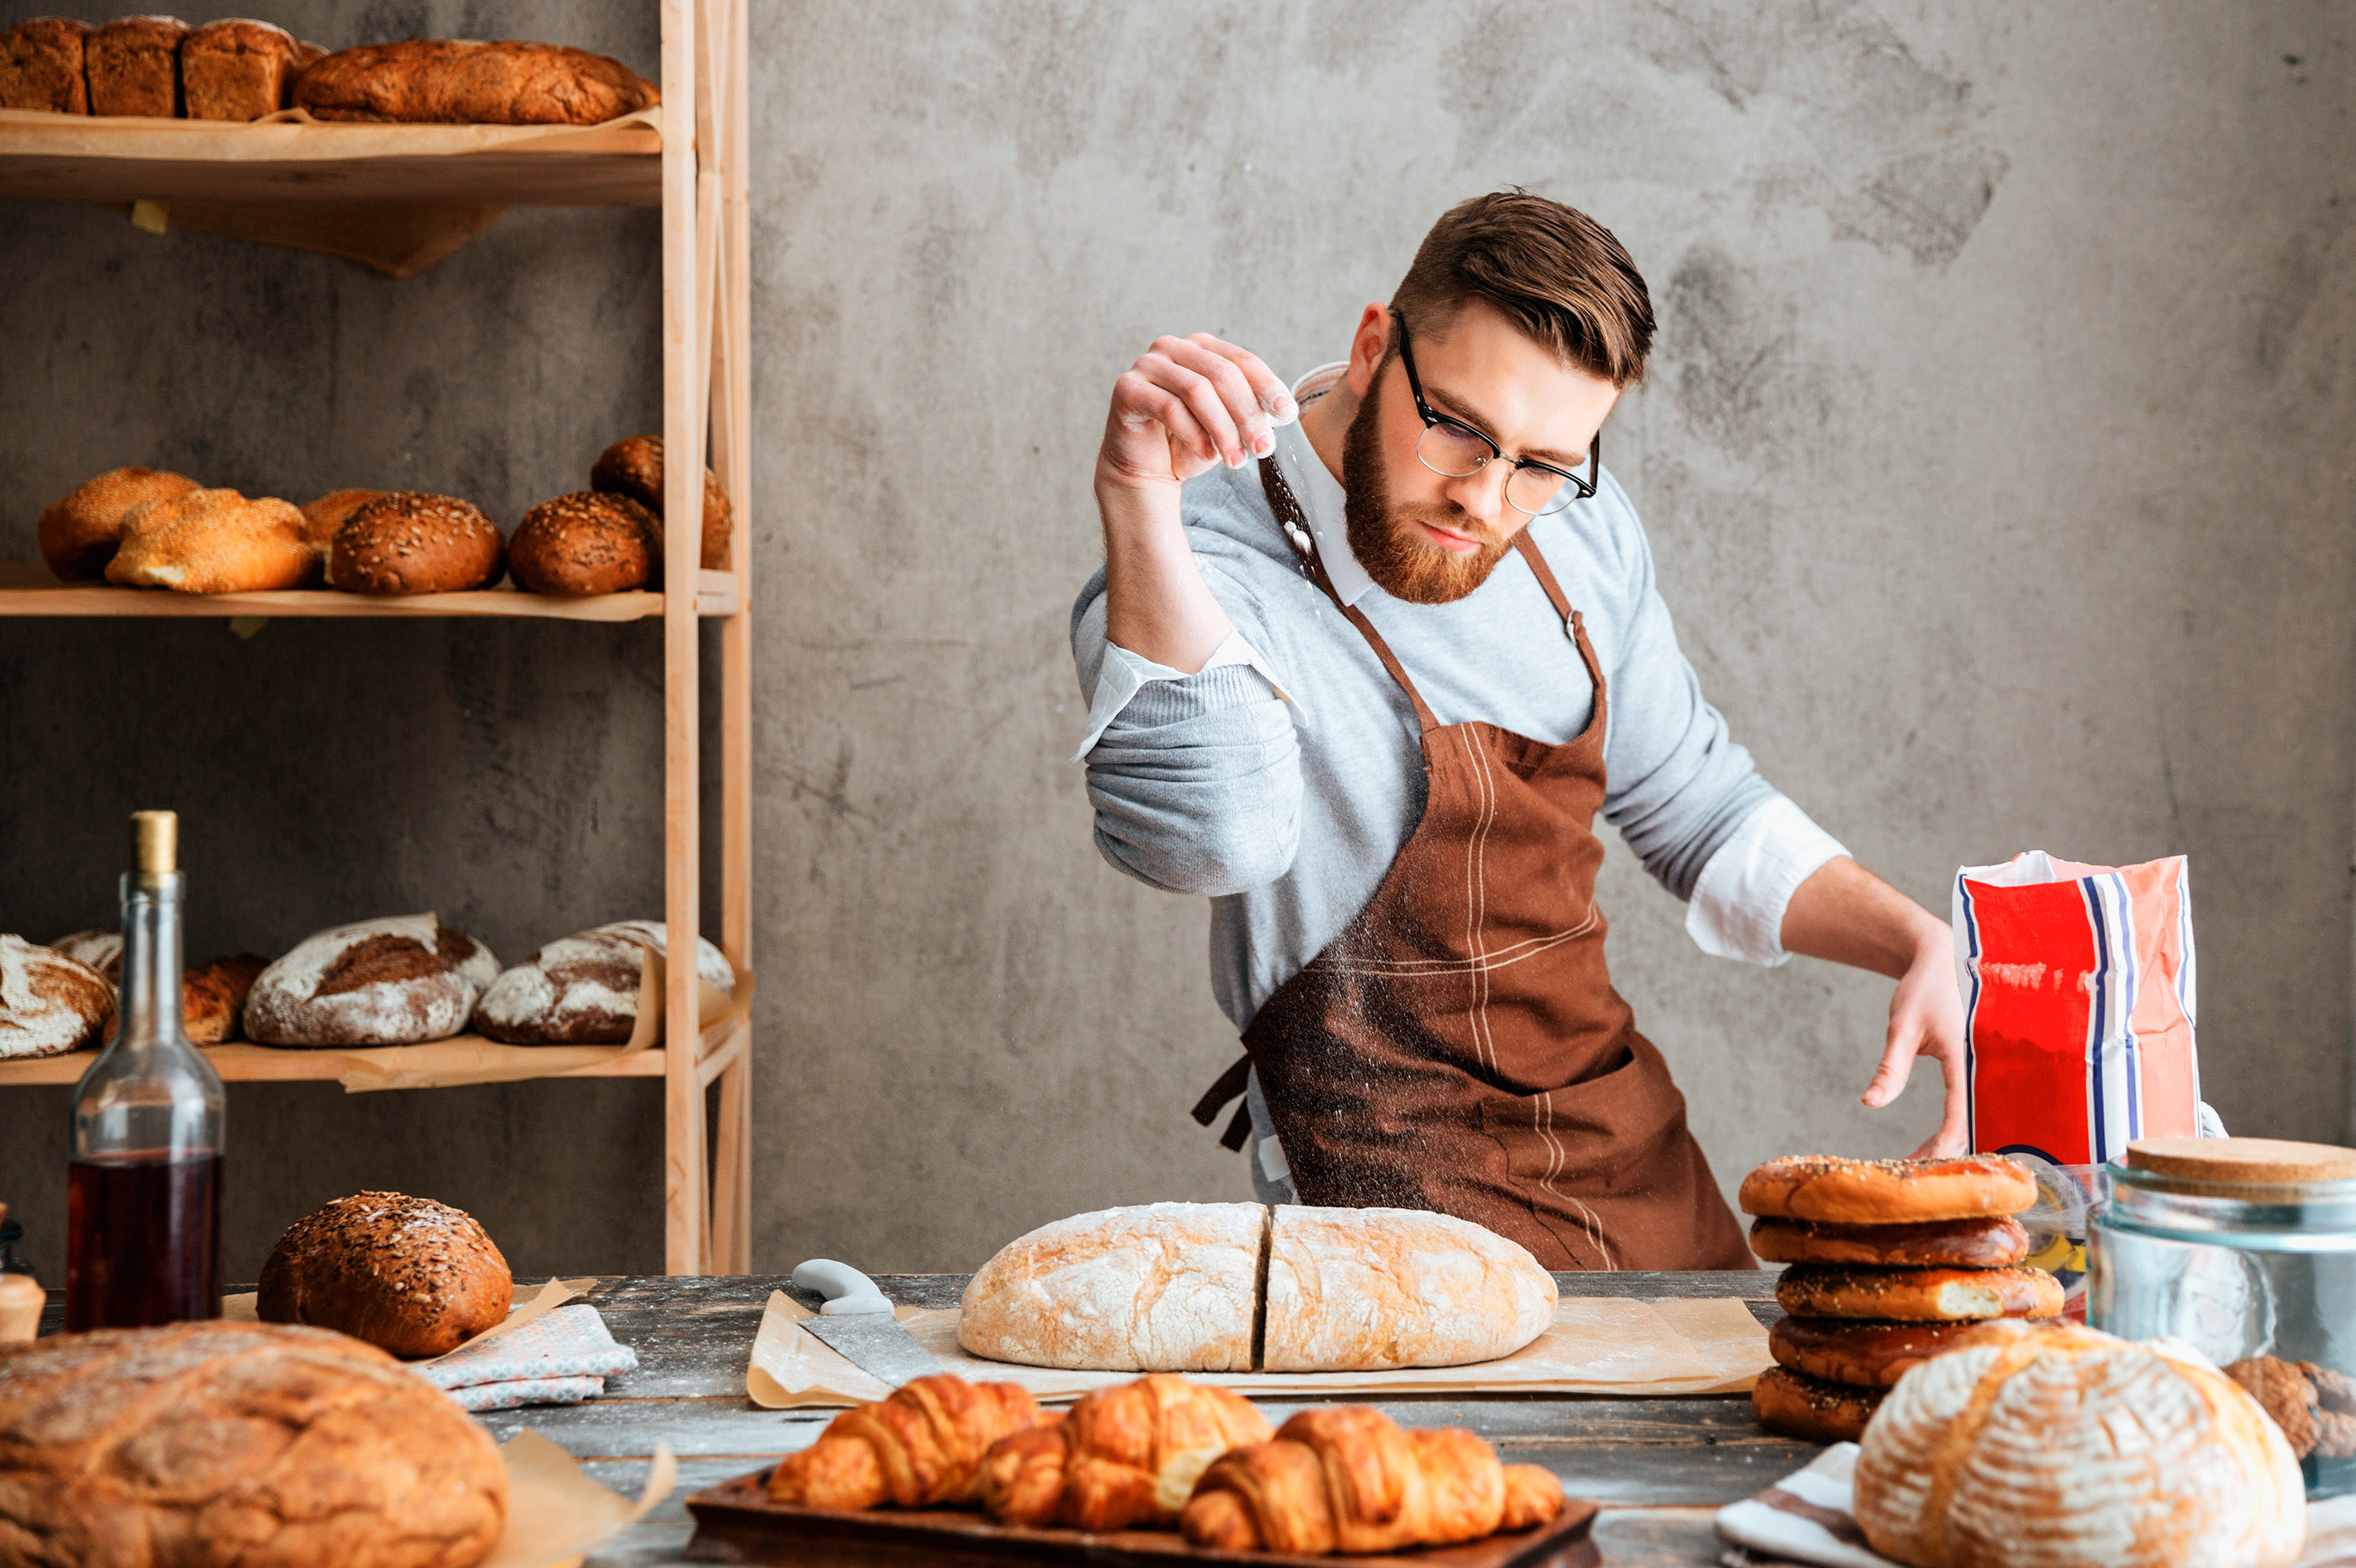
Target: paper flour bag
[[2078, 1005]]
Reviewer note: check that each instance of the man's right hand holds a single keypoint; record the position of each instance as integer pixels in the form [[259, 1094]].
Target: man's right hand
[[1188, 403]]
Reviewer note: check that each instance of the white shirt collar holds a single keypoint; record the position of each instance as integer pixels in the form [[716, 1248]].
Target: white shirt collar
[[1319, 492]]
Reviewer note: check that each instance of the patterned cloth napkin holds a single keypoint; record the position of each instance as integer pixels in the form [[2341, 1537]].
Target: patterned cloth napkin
[[1807, 1520], [560, 1358]]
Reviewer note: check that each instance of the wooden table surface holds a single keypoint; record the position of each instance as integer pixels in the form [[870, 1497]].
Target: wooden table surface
[[1661, 1465]]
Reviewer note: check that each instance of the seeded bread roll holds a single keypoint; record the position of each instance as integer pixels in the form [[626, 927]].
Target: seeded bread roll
[[460, 81], [408, 542], [583, 989], [42, 66], [49, 1003], [1812, 1409], [1917, 1295], [79, 532], [635, 468], [585, 543], [134, 67], [1991, 1241], [407, 1275], [1827, 1188], [237, 69], [397, 981], [212, 542]]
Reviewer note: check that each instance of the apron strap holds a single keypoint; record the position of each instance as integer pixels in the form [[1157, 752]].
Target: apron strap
[[1287, 511], [1231, 1084], [1572, 621]]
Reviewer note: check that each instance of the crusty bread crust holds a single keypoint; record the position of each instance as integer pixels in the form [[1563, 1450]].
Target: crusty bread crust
[[132, 64], [1991, 1241], [212, 996], [462, 81], [409, 1276], [212, 542], [583, 989], [399, 980], [634, 467], [42, 66], [1365, 1289], [1810, 1408], [410, 543], [79, 532], [323, 516], [1917, 1295], [1862, 1352], [237, 69], [585, 543], [49, 1003], [1887, 1191]]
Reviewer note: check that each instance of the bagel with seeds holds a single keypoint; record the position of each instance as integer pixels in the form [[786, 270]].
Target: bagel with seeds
[[1830, 1190], [1918, 1295], [1863, 1354], [1993, 1241], [1810, 1408]]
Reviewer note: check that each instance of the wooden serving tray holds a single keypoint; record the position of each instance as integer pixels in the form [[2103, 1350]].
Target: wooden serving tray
[[736, 1522]]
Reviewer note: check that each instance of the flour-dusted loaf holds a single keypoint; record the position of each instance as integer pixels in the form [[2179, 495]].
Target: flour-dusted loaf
[[237, 68], [213, 541], [587, 542], [49, 1003], [79, 532], [227, 1444], [1362, 1289], [408, 1274], [101, 950], [2063, 1447], [42, 66], [399, 980], [212, 996], [634, 467], [411, 542], [583, 989], [1161, 1287], [132, 64], [458, 81]]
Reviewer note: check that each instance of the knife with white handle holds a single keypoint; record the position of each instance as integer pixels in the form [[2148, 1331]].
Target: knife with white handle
[[856, 1322]]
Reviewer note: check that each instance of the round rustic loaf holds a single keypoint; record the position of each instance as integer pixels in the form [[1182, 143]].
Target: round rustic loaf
[[1811, 1408], [80, 533], [1990, 1241], [101, 950], [1887, 1191], [410, 543], [1364, 1289], [634, 467], [585, 543], [2055, 1448], [221, 1444], [583, 989], [1859, 1351], [1917, 1295], [396, 981], [407, 1275], [212, 542], [49, 1003]]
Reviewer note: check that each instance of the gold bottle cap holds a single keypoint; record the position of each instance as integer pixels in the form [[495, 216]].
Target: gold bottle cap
[[155, 835]]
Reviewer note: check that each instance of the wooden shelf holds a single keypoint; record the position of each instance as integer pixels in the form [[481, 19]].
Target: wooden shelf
[[64, 158], [27, 589]]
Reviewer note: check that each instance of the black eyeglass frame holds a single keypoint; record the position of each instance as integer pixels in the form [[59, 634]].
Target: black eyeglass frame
[[1430, 417]]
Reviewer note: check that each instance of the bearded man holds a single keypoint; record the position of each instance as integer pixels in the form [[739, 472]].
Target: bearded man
[[1365, 680]]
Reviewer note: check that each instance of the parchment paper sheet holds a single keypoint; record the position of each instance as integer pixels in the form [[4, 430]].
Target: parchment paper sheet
[[1608, 1345], [551, 1296], [556, 1515], [289, 134]]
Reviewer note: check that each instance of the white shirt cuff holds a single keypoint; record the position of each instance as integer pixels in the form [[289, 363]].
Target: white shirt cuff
[[1124, 675], [1738, 901]]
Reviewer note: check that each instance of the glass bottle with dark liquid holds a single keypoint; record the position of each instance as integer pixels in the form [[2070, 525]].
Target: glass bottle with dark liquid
[[142, 1194]]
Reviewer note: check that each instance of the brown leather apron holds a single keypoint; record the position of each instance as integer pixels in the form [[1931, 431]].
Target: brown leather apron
[[1459, 1048]]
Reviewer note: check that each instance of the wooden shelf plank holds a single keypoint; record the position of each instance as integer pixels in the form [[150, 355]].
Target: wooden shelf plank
[[243, 1063], [27, 589], [61, 157]]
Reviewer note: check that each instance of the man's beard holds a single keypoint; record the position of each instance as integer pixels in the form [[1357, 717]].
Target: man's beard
[[1395, 552]]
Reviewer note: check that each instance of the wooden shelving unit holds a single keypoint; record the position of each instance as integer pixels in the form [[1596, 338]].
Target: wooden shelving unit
[[689, 158]]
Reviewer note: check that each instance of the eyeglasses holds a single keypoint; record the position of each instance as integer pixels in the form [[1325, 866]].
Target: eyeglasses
[[1453, 448]]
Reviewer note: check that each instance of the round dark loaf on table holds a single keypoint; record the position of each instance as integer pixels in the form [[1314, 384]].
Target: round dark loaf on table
[[407, 1275], [585, 543], [1860, 1352], [42, 66], [79, 532], [461, 81], [1917, 1295], [583, 989], [400, 980], [49, 1003], [1812, 1409], [212, 542], [1838, 1192], [132, 64], [237, 68], [410, 543], [634, 467], [1990, 1241], [223, 1445]]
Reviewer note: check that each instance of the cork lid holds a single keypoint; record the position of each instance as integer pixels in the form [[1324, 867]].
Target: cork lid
[[2256, 1162]]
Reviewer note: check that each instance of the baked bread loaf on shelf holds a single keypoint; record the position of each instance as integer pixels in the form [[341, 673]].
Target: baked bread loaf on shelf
[[212, 542], [212, 996], [323, 516], [49, 1003], [1365, 1289], [134, 67], [400, 980], [1349, 1480], [238, 69], [411, 1276], [1827, 1188], [585, 543], [460, 81], [208, 1444], [2032, 1448], [79, 532], [42, 66], [1124, 1458], [634, 467], [101, 950], [583, 989], [410, 543], [1992, 1240], [920, 1448]]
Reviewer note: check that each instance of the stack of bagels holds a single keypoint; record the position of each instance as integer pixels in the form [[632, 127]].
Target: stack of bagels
[[1891, 1261]]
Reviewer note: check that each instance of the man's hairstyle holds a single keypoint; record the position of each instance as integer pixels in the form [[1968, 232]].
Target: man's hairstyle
[[1554, 272]]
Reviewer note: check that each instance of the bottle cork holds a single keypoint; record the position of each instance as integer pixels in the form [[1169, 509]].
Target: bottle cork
[[156, 836]]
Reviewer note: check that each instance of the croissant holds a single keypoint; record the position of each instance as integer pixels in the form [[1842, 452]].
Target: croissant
[[921, 1448], [1350, 1480], [1125, 1458]]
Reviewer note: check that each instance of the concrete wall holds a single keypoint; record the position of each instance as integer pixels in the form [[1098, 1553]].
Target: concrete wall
[[1995, 454]]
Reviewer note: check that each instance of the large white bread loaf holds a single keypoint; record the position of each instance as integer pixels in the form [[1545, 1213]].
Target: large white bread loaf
[[1161, 1287], [399, 980], [2063, 1447], [49, 1003], [1355, 1290], [583, 989]]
